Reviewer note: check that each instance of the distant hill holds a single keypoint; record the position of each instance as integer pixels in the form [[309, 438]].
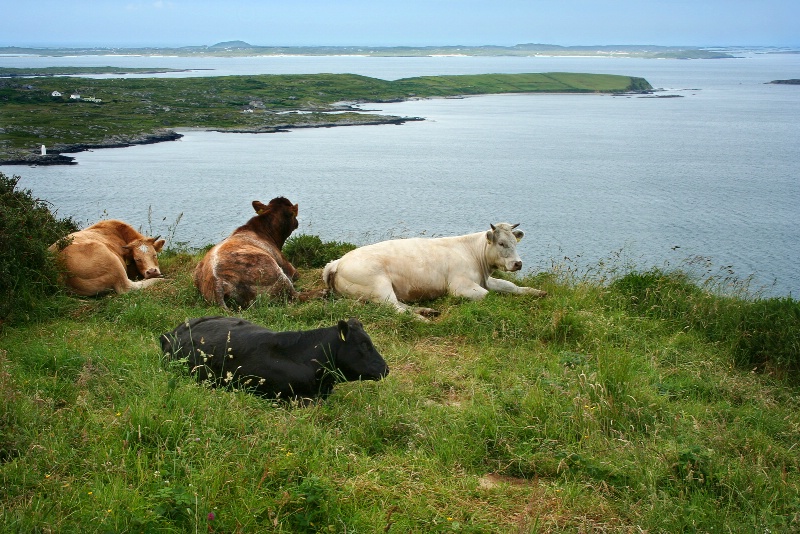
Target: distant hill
[[231, 44], [241, 48]]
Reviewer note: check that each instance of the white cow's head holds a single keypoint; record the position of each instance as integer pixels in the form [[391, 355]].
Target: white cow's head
[[501, 252]]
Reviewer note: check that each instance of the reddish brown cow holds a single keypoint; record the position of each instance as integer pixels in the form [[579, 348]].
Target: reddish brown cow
[[249, 262], [105, 256]]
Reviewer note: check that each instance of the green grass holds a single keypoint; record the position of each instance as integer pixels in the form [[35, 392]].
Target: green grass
[[605, 407], [133, 107]]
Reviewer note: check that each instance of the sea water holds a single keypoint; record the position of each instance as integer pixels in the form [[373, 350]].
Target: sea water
[[711, 174]]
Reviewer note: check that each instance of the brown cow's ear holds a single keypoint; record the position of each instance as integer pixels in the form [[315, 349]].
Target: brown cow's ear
[[260, 207], [519, 234], [158, 245], [295, 209], [343, 330]]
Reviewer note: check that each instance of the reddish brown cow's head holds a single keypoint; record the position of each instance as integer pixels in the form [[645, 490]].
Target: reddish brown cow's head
[[144, 254], [279, 218]]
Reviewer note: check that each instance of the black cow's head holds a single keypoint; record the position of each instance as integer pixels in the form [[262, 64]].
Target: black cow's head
[[357, 358]]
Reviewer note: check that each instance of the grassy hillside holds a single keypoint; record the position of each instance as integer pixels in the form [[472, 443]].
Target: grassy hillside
[[638, 403], [131, 108]]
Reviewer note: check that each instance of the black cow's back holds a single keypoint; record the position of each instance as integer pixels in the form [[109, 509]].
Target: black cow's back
[[234, 352]]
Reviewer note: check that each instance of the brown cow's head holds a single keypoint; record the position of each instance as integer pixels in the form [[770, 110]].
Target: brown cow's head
[[144, 253], [280, 216]]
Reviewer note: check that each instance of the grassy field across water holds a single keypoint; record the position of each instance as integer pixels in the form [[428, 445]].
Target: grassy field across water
[[96, 113], [640, 402]]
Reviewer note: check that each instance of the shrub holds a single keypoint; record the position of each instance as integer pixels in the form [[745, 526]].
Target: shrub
[[763, 333], [309, 252], [27, 228], [768, 333], [658, 294]]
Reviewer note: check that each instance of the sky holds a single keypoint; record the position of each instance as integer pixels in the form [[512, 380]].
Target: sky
[[166, 23]]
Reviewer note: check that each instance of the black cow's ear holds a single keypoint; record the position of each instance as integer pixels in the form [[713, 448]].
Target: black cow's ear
[[343, 330]]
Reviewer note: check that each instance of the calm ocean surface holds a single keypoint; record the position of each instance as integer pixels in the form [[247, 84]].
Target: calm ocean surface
[[714, 174]]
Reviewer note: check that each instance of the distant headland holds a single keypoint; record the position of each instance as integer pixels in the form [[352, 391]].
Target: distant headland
[[67, 115], [241, 48]]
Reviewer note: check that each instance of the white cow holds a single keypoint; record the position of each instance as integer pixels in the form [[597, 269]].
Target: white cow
[[422, 268]]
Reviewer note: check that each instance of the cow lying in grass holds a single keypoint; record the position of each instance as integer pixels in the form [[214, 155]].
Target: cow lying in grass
[[228, 351], [249, 262], [108, 256], [423, 269]]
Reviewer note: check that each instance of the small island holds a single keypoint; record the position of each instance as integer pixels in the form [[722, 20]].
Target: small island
[[793, 81], [68, 115], [8, 72]]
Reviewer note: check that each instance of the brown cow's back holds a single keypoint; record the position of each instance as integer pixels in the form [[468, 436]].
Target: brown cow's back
[[249, 262], [96, 260]]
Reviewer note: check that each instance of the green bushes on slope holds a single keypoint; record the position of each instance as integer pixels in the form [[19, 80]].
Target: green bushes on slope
[[27, 228]]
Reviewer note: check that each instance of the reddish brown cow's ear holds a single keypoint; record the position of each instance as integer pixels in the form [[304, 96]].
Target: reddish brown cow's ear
[[158, 245], [260, 207]]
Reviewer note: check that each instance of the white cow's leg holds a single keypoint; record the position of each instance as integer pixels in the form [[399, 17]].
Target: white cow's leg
[[467, 289], [504, 286]]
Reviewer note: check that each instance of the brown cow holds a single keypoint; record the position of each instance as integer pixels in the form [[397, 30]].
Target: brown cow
[[249, 262], [105, 256]]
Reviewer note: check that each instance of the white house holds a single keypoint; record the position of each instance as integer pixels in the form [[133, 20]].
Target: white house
[[75, 96], [55, 93]]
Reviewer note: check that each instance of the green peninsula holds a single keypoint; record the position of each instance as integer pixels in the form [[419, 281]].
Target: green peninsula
[[73, 114]]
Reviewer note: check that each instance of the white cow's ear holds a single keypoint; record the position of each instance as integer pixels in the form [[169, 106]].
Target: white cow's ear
[[519, 234], [343, 330], [490, 236]]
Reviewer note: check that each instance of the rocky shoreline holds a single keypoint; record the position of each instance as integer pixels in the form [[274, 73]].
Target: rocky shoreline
[[55, 154]]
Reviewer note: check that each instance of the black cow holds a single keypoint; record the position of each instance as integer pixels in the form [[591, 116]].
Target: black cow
[[229, 351]]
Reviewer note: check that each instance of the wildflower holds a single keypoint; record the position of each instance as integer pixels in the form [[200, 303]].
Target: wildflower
[[211, 516], [119, 413], [47, 476]]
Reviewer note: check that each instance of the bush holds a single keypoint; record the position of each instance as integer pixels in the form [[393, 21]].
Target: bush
[[768, 334], [27, 270], [763, 333], [660, 295], [309, 252]]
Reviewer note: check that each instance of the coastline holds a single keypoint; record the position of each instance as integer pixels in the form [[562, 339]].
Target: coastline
[[55, 155]]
